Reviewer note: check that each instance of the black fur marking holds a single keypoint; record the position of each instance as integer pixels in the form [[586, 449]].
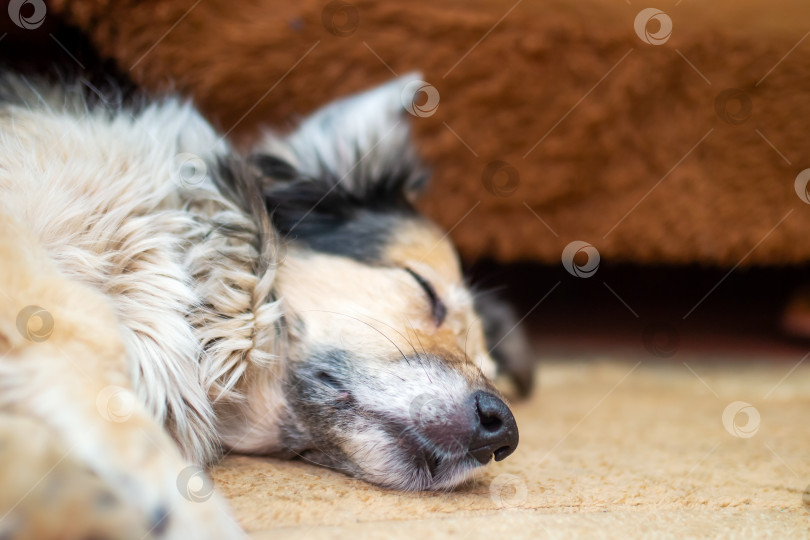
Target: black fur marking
[[273, 167], [341, 216], [61, 55], [237, 181], [319, 407]]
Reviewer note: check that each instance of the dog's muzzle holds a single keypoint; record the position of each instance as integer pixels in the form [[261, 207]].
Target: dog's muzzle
[[482, 427]]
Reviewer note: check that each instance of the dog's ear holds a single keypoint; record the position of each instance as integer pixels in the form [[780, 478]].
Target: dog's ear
[[509, 346], [352, 156], [357, 141]]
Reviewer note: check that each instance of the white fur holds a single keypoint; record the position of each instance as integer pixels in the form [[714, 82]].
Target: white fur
[[102, 194]]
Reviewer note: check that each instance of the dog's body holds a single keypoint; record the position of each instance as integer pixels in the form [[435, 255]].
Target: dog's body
[[98, 232], [154, 312]]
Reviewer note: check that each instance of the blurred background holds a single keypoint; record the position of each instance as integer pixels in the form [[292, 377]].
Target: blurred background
[[632, 177]]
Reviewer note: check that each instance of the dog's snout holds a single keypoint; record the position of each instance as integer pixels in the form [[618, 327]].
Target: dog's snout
[[495, 432]]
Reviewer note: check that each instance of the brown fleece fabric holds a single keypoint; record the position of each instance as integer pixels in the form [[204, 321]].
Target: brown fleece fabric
[[635, 148]]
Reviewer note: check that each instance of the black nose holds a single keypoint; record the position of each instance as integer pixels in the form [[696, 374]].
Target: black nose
[[496, 432]]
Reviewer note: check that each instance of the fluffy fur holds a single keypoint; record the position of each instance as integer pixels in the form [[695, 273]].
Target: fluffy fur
[[285, 304]]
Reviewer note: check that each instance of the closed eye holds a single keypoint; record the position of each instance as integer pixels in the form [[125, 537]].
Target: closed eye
[[437, 308]]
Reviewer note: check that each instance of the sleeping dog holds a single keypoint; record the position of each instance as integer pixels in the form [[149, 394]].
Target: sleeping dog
[[165, 300]]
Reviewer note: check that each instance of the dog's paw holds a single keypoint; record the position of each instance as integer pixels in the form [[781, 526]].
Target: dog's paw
[[191, 508], [47, 493], [71, 502], [175, 500]]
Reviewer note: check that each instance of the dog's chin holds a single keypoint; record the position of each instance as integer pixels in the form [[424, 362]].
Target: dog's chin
[[452, 473], [442, 473], [436, 474]]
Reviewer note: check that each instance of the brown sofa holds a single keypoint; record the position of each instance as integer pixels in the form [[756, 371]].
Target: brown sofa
[[558, 121]]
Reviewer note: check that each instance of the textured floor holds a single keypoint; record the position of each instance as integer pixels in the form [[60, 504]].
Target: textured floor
[[608, 448]]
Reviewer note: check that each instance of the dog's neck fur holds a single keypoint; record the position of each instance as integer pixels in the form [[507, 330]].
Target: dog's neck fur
[[189, 269], [232, 263], [225, 296]]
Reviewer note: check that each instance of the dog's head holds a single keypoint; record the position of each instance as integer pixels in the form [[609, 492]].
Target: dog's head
[[387, 375]]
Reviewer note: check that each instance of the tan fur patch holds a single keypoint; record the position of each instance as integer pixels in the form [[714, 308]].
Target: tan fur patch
[[384, 308], [423, 242]]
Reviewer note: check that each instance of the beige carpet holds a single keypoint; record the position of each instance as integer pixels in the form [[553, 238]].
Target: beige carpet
[[608, 449]]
